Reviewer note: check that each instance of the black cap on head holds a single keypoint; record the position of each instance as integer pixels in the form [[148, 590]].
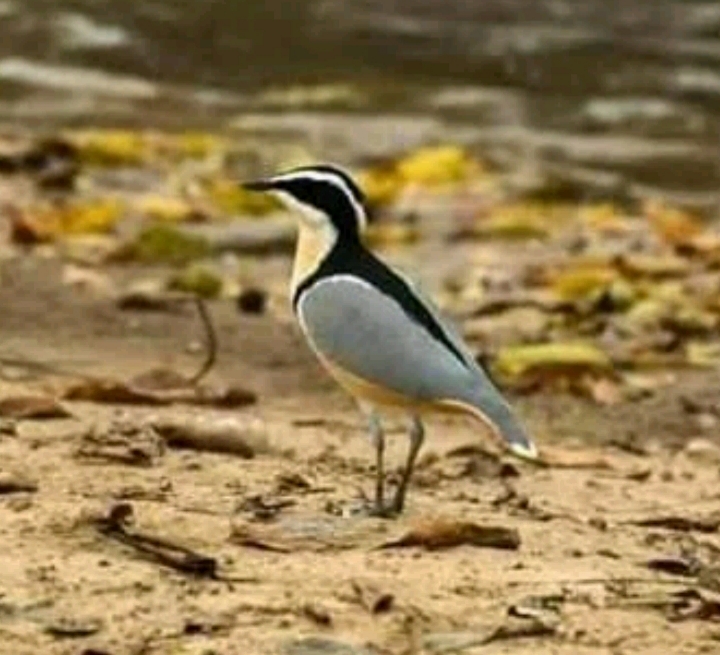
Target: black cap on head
[[324, 188]]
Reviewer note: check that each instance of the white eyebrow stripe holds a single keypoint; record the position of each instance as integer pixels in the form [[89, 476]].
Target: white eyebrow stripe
[[329, 178]]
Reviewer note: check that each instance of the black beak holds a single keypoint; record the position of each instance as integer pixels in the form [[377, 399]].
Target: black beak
[[257, 185]]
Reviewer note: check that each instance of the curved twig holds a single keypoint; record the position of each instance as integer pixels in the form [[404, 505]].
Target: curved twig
[[211, 342]]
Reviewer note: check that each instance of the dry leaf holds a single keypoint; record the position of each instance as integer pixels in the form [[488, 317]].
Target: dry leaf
[[581, 282], [511, 628], [536, 364], [32, 407], [231, 436], [110, 147], [123, 443], [391, 233], [520, 220], [438, 165], [653, 266], [674, 226], [65, 627], [245, 535], [317, 614], [111, 392], [575, 459], [699, 605], [705, 245], [510, 225], [703, 355], [448, 533], [158, 387], [605, 219], [24, 229], [706, 525], [163, 208], [673, 566], [11, 483], [381, 184], [522, 628]]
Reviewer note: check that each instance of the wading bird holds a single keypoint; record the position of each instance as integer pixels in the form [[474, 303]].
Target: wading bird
[[374, 332]]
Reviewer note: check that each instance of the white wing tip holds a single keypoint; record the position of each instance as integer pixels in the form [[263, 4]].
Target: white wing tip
[[528, 452]]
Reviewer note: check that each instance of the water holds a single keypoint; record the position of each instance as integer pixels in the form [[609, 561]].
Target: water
[[629, 86]]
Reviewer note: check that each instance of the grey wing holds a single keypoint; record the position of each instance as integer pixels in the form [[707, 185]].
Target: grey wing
[[368, 334], [450, 331]]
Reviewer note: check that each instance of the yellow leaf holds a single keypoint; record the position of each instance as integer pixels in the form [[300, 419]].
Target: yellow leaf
[[655, 266], [508, 226], [674, 226], [165, 208], [517, 221], [691, 320], [706, 243], [97, 216], [703, 355], [583, 281], [198, 145], [604, 218], [646, 314], [231, 198], [111, 147], [438, 165], [183, 145], [670, 292], [573, 357], [387, 234], [381, 185]]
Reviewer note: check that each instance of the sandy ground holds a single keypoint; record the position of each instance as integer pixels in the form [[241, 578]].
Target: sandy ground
[[67, 589]]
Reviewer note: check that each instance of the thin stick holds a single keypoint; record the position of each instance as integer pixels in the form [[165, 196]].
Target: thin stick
[[159, 549], [638, 580], [211, 342]]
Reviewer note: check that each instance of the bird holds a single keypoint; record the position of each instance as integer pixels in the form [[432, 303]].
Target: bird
[[374, 331]]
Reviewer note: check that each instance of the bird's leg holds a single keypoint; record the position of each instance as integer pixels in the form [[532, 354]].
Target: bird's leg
[[417, 436], [377, 436]]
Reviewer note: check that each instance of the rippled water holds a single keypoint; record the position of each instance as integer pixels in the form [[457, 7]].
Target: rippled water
[[629, 86]]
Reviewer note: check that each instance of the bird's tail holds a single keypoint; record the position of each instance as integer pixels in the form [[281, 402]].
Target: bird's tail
[[488, 406]]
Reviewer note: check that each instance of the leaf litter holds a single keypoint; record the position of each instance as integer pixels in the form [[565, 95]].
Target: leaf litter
[[32, 407], [624, 297], [442, 533], [160, 386]]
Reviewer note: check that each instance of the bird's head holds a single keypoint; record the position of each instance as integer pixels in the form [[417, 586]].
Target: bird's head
[[325, 197]]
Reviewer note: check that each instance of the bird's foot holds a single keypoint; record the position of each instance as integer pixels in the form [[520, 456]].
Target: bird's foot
[[364, 506], [383, 510], [386, 509]]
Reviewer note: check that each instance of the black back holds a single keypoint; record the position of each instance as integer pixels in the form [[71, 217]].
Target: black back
[[352, 258]]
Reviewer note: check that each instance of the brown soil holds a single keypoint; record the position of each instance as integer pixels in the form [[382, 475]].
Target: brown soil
[[59, 576]]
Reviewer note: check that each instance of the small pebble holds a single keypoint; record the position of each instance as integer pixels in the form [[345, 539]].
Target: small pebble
[[252, 301]]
